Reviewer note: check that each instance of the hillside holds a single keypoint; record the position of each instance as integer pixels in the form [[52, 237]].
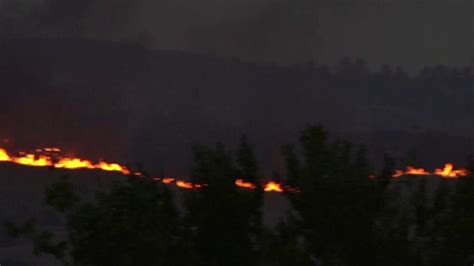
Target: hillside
[[131, 104]]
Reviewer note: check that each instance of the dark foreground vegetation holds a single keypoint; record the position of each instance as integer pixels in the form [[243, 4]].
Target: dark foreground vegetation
[[340, 217]]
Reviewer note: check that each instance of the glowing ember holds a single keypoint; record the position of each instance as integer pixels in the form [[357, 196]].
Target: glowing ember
[[168, 180], [272, 187], [183, 184], [398, 173], [243, 184], [52, 149]]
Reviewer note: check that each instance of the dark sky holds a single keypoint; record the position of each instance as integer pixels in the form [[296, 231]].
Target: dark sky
[[411, 33]]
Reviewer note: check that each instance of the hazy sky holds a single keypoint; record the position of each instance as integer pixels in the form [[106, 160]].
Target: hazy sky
[[411, 33]]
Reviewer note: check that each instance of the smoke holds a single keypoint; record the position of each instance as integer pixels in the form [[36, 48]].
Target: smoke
[[246, 28], [59, 18], [284, 31]]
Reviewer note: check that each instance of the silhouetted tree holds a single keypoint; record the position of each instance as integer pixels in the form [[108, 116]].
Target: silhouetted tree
[[247, 162], [135, 223], [337, 205], [282, 247], [220, 216], [248, 170], [458, 237]]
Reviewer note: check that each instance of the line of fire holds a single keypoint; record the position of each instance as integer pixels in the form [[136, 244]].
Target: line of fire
[[51, 157]]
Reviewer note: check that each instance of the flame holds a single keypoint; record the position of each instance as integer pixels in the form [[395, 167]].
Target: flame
[[113, 167], [184, 184], [45, 160], [416, 171], [168, 180], [74, 163], [32, 160], [4, 157], [50, 157], [243, 184], [411, 171], [449, 172], [53, 149], [398, 173], [272, 186]]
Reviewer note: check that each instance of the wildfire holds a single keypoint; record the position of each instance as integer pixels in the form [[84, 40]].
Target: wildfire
[[4, 157], [416, 171], [272, 187], [50, 157], [46, 160], [168, 180], [241, 183], [183, 184], [113, 167], [31, 160], [447, 172], [74, 163]]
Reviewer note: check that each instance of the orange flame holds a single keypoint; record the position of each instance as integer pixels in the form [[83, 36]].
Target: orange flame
[[272, 187], [44, 160], [50, 157], [398, 173], [183, 184], [243, 184], [112, 167], [74, 163], [411, 171], [4, 157], [168, 180], [449, 172], [53, 149], [416, 171], [32, 160]]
